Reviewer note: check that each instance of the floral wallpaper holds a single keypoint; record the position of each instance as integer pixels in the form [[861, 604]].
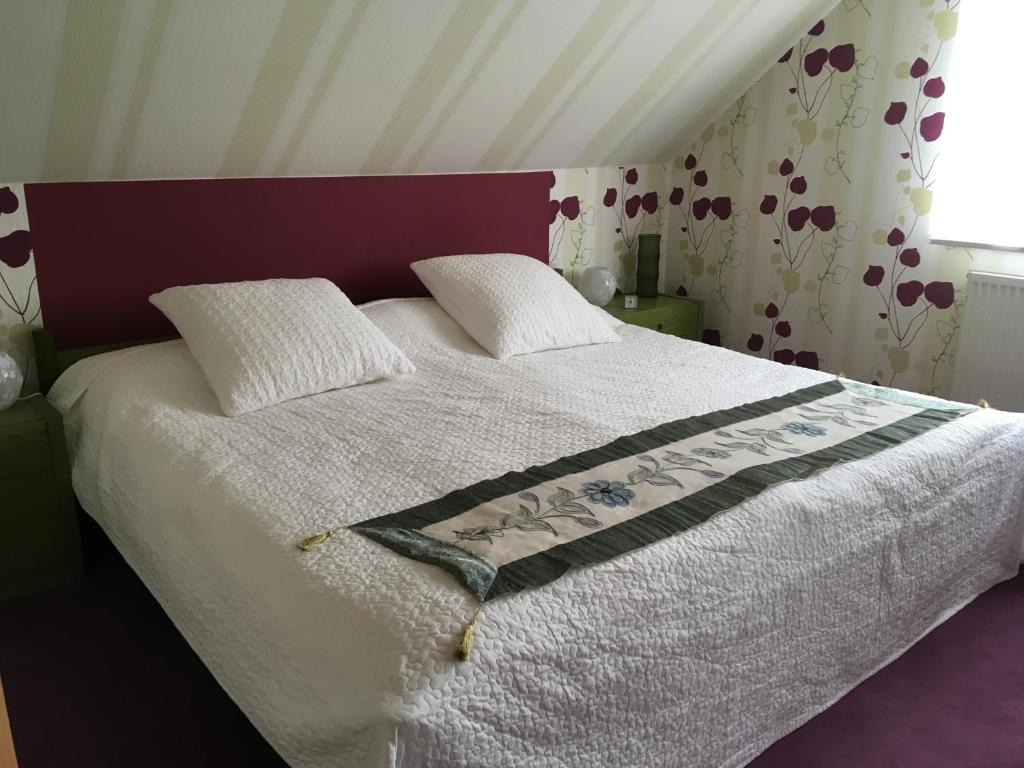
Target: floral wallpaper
[[19, 296], [800, 216], [829, 163], [597, 214]]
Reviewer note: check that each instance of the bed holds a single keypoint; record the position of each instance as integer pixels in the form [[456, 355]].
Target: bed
[[699, 650]]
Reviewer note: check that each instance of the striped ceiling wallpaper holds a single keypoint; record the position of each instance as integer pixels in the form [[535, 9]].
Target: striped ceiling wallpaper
[[113, 89]]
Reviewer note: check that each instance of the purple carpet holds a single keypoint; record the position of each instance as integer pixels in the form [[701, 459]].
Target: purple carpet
[[96, 675], [955, 699]]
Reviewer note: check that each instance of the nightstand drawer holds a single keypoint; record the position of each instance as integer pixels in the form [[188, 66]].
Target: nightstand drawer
[[24, 453], [674, 315], [687, 322], [38, 522], [678, 319], [34, 535], [676, 327]]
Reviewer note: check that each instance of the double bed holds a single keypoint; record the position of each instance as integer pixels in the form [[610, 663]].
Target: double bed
[[699, 650]]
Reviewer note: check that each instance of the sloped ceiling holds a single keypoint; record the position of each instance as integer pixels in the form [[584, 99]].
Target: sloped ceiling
[[112, 89]]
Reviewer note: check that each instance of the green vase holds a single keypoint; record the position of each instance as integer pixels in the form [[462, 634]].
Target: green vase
[[648, 257]]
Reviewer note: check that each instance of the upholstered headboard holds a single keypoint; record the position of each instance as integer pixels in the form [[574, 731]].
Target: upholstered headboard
[[102, 248]]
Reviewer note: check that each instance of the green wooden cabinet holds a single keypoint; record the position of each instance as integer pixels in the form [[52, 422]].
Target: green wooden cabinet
[[39, 544], [675, 315]]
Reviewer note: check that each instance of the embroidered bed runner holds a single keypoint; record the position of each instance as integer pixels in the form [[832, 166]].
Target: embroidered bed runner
[[525, 529]]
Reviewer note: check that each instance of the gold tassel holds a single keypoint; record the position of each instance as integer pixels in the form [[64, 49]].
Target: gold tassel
[[315, 541], [983, 403], [465, 645]]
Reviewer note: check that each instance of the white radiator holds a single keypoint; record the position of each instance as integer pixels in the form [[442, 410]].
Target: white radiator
[[990, 359]]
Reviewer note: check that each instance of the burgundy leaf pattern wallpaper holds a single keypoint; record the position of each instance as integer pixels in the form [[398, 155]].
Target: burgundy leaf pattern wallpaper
[[800, 216], [598, 214], [834, 156], [19, 295]]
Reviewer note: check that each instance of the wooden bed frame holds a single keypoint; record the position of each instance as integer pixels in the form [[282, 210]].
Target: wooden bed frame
[[52, 362]]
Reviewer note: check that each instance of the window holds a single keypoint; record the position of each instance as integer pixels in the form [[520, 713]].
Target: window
[[979, 193]]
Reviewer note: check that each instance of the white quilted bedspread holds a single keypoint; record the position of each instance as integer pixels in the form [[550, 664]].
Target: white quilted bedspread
[[700, 650]]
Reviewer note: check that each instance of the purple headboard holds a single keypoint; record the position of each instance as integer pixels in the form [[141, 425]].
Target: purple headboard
[[101, 248]]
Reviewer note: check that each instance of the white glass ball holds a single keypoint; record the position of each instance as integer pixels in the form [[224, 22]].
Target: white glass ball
[[11, 380], [597, 284]]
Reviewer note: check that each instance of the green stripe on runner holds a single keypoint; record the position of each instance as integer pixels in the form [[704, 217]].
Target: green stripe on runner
[[464, 499], [474, 573], [697, 508]]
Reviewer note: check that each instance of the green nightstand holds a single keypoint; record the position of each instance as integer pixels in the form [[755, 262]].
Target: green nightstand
[[39, 544], [676, 315]]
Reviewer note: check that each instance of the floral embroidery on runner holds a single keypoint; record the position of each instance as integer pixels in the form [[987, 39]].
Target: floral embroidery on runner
[[565, 505]]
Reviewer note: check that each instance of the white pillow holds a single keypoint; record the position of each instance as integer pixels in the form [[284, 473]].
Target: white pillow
[[512, 304], [264, 342]]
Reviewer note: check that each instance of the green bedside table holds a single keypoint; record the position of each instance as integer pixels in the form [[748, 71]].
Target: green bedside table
[[39, 544], [675, 315]]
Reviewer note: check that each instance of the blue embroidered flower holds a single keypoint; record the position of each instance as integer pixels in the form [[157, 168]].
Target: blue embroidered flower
[[804, 428], [711, 453], [611, 494]]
